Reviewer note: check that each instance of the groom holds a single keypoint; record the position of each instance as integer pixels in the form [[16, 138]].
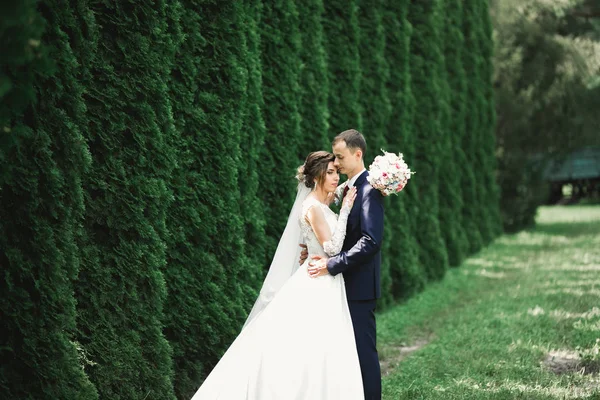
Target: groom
[[360, 258]]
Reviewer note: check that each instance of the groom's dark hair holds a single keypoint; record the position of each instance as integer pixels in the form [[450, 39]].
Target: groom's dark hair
[[354, 140]]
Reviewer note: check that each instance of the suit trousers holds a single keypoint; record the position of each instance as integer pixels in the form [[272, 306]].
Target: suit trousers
[[362, 313]]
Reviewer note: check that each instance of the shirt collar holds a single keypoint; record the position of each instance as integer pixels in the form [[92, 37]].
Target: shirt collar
[[352, 181]]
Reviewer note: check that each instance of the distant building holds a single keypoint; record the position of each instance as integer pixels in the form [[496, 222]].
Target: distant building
[[579, 170]]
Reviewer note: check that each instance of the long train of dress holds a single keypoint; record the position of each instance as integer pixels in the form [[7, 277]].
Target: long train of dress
[[301, 347]]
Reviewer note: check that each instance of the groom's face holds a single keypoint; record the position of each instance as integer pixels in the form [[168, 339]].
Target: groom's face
[[346, 160]]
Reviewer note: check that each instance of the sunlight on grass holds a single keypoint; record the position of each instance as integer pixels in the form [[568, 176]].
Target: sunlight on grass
[[482, 262], [486, 274], [587, 326], [575, 292], [549, 215], [562, 314], [555, 391], [578, 268], [532, 239], [565, 283]]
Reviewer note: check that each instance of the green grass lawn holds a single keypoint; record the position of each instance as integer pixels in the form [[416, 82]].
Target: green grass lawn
[[520, 320]]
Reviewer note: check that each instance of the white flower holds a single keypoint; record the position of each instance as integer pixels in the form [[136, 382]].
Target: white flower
[[389, 173]]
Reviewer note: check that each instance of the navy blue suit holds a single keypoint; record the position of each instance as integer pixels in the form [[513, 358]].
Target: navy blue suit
[[360, 261]]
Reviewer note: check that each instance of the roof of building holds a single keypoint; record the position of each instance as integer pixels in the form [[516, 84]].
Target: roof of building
[[580, 164]]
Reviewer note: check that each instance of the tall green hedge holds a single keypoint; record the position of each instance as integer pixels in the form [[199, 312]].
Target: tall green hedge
[[469, 180], [253, 132], [486, 44], [408, 276], [477, 104], [280, 51], [314, 80], [453, 85], [121, 288], [208, 273], [426, 60], [42, 207], [341, 28], [147, 170], [376, 108]]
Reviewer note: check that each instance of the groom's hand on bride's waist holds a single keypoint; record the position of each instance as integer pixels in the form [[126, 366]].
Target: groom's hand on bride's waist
[[303, 254], [317, 266]]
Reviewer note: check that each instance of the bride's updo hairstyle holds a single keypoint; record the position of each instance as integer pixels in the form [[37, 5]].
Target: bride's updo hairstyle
[[315, 167]]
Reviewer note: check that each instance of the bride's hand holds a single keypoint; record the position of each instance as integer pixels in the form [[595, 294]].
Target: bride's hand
[[349, 198]]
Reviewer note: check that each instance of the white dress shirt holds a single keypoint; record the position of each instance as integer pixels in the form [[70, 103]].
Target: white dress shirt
[[352, 181]]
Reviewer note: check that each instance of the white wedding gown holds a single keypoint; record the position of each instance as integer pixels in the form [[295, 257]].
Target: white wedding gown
[[301, 347]]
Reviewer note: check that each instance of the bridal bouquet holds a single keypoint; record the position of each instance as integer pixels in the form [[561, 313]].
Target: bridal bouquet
[[389, 173]]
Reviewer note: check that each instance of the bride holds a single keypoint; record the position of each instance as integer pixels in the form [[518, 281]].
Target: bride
[[298, 342]]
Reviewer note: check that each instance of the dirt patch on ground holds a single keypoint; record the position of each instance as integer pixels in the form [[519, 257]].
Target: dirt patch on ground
[[395, 354], [568, 362]]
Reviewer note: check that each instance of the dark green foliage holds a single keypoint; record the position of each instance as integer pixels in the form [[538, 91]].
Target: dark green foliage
[[147, 171], [252, 141], [376, 109], [523, 190], [280, 49], [408, 277], [129, 128], [23, 60], [314, 80], [487, 189], [546, 94], [41, 215], [492, 190], [454, 164], [476, 117], [342, 32], [208, 274], [469, 181], [426, 59]]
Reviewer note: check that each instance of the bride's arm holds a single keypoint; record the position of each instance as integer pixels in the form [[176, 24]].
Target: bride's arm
[[331, 242]]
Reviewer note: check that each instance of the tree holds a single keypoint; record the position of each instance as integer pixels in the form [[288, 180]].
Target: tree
[[280, 49], [126, 55], [252, 141], [545, 62], [210, 281], [376, 108], [452, 99], [492, 190], [426, 58], [42, 206], [314, 79], [476, 118], [408, 277], [341, 28]]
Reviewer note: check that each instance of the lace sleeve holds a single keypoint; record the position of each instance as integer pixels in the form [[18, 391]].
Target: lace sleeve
[[334, 245]]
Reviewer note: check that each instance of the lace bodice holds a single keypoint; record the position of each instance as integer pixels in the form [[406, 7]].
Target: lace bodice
[[337, 227]]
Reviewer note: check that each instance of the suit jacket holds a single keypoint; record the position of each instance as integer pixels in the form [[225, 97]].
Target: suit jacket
[[360, 258]]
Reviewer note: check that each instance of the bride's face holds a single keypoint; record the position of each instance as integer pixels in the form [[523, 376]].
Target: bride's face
[[332, 178]]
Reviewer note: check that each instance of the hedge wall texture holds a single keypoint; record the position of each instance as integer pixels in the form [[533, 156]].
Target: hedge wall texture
[[147, 156]]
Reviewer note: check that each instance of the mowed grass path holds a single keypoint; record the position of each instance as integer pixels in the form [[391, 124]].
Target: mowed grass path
[[520, 320]]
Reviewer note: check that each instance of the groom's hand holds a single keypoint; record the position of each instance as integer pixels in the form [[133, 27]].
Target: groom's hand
[[303, 254], [317, 266]]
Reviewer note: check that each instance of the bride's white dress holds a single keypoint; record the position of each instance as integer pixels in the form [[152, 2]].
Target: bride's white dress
[[301, 347]]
